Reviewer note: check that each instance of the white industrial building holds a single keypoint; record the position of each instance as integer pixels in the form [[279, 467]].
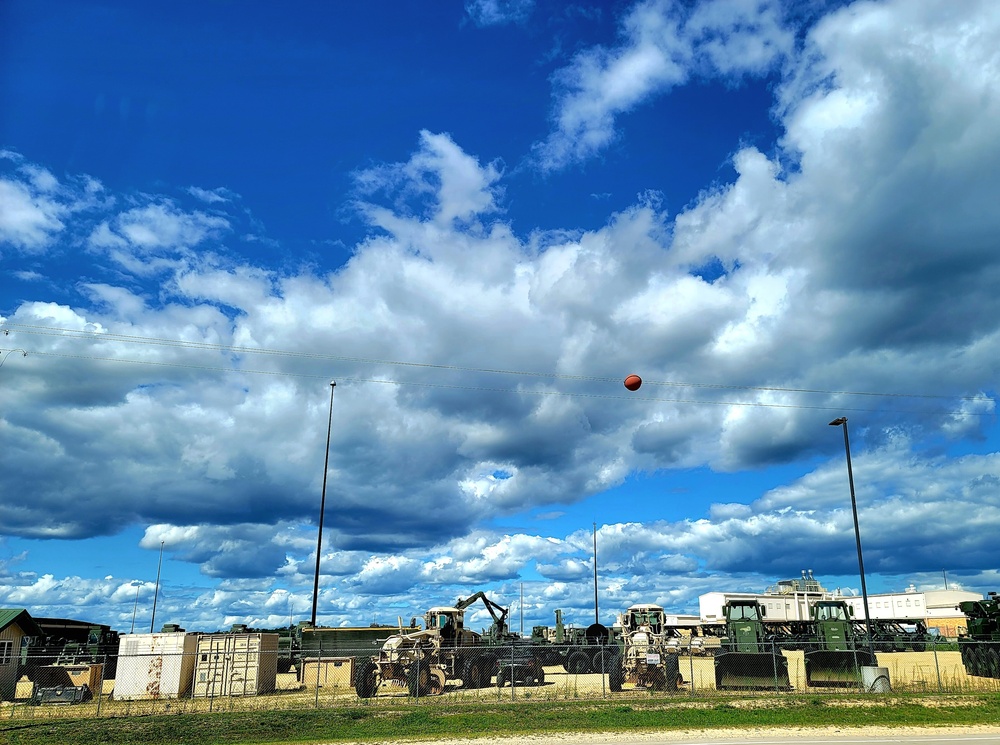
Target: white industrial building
[[790, 600]]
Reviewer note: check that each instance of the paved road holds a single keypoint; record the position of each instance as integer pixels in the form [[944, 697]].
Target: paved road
[[798, 739]]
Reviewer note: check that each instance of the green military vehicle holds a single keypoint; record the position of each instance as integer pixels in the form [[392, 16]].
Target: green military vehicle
[[831, 648], [980, 644], [747, 658]]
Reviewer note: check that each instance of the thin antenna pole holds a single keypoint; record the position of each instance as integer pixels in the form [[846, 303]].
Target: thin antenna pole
[[156, 591], [597, 615], [520, 607], [322, 506], [135, 606]]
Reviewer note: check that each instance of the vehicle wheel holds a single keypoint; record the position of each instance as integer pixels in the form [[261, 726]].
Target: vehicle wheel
[[992, 662], [578, 663], [503, 678], [472, 676], [539, 676], [977, 658], [657, 680], [418, 679], [437, 683], [616, 678], [366, 679], [604, 661]]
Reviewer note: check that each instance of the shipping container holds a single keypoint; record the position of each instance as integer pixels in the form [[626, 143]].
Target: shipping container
[[236, 664], [154, 666]]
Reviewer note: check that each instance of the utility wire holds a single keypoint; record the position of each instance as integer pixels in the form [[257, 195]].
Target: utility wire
[[489, 389], [231, 349]]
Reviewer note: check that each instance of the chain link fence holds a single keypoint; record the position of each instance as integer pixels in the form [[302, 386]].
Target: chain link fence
[[227, 676]]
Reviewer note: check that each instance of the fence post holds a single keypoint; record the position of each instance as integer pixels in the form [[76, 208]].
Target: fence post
[[602, 655], [319, 664], [774, 664], [512, 670], [100, 684], [937, 667], [691, 659]]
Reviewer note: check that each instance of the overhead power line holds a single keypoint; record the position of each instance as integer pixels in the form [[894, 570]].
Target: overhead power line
[[265, 351], [485, 389]]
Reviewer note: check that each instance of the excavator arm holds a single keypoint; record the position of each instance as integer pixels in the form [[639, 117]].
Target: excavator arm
[[497, 612]]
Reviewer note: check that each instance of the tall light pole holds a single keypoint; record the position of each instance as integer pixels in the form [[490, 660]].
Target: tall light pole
[[7, 353], [597, 615], [156, 590], [322, 505], [842, 421]]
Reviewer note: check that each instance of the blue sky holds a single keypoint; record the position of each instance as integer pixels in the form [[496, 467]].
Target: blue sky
[[478, 218]]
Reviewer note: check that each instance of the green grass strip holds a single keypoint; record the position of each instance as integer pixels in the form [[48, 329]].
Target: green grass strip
[[433, 721]]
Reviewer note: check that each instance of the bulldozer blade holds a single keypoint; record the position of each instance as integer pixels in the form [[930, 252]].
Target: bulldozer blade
[[751, 670], [836, 668]]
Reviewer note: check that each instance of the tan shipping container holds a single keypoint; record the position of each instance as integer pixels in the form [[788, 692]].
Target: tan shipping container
[[236, 664], [330, 672]]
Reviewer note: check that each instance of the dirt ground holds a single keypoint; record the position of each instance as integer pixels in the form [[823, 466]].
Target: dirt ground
[[736, 735]]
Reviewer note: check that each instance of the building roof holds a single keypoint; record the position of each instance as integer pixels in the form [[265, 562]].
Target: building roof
[[20, 616]]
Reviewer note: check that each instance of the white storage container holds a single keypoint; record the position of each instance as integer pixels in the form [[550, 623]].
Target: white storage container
[[153, 666]]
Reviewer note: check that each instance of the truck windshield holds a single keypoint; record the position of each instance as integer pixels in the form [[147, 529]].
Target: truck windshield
[[831, 613]]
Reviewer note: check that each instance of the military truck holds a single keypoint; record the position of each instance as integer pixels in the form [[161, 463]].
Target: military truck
[[67, 641], [747, 658], [831, 647], [579, 650], [646, 651], [443, 652], [980, 644]]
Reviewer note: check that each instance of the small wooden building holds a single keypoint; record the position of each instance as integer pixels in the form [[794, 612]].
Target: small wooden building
[[15, 624]]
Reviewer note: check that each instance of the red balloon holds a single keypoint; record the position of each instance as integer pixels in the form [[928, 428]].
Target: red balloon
[[632, 382]]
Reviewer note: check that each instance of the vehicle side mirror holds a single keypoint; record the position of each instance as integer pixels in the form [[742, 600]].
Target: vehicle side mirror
[[850, 610]]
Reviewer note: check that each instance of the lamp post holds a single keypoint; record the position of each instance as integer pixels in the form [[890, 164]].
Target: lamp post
[[322, 505], [597, 615], [7, 353], [842, 421]]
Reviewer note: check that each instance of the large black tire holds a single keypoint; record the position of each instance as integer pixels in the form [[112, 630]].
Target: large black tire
[[604, 661], [539, 676], [992, 662], [616, 678], [657, 679], [672, 672], [504, 677], [366, 679], [578, 663], [965, 650], [418, 679], [490, 666], [472, 675]]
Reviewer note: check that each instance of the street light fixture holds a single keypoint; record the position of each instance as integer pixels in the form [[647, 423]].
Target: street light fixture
[[322, 506], [842, 421]]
